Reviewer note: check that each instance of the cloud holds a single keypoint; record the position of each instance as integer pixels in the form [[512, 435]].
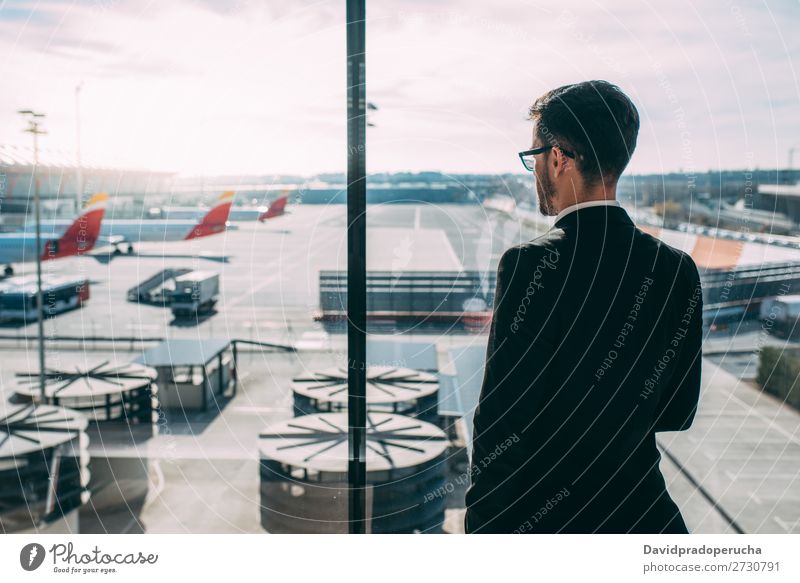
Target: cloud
[[249, 86]]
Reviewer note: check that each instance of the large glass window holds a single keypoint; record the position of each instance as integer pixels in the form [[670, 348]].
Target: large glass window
[[270, 237], [211, 141]]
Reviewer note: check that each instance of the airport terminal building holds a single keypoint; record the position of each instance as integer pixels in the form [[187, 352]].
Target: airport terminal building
[[59, 178]]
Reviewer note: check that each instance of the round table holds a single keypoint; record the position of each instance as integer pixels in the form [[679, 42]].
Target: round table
[[304, 474], [43, 466], [104, 392], [389, 389], [121, 404]]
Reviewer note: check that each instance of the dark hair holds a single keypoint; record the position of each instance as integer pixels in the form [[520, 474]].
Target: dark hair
[[595, 120]]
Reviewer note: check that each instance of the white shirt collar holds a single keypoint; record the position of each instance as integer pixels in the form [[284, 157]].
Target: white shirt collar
[[583, 205]]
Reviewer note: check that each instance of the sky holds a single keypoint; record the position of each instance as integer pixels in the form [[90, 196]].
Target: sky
[[258, 86]]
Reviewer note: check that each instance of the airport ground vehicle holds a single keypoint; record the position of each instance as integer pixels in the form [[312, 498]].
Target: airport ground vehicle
[[59, 294], [157, 289], [195, 293]]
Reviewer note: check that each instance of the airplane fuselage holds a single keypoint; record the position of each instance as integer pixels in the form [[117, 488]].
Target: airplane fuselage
[[20, 248], [132, 231]]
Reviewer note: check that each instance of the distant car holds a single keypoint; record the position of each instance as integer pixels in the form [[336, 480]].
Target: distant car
[[784, 314]]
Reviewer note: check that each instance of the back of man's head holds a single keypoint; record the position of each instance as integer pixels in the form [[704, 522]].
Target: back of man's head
[[593, 119]]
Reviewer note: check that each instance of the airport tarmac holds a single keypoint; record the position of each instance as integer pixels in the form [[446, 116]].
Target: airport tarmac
[[735, 469], [269, 271]]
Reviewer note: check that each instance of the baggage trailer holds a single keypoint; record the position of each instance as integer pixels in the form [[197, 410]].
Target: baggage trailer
[[195, 293]]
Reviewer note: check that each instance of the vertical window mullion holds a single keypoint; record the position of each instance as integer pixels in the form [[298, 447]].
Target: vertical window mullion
[[356, 264]]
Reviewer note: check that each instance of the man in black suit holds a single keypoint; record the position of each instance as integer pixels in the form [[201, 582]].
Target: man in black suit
[[595, 343]]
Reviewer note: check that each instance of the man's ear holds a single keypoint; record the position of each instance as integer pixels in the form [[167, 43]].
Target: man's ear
[[560, 161]]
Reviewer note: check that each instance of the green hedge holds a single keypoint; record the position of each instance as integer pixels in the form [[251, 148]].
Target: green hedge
[[779, 373]]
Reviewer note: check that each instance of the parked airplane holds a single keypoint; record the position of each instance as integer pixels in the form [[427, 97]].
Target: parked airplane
[[275, 209], [118, 232], [77, 238]]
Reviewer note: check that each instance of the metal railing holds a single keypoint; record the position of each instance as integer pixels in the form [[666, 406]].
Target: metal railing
[[421, 293]]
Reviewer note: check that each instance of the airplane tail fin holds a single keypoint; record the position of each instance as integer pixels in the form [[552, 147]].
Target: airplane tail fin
[[81, 236], [216, 219], [276, 208]]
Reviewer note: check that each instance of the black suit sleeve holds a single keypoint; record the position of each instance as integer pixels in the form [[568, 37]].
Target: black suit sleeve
[[678, 401], [517, 376]]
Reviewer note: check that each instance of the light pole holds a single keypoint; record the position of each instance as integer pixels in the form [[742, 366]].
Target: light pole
[[33, 128], [792, 150], [79, 173]]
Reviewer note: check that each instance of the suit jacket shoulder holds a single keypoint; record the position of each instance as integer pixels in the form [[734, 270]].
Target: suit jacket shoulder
[[675, 259], [547, 246]]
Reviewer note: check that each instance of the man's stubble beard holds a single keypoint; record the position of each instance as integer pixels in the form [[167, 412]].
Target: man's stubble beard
[[545, 195]]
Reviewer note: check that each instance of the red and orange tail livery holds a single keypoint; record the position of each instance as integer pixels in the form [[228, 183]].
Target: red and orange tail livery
[[81, 236], [276, 209], [216, 219]]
